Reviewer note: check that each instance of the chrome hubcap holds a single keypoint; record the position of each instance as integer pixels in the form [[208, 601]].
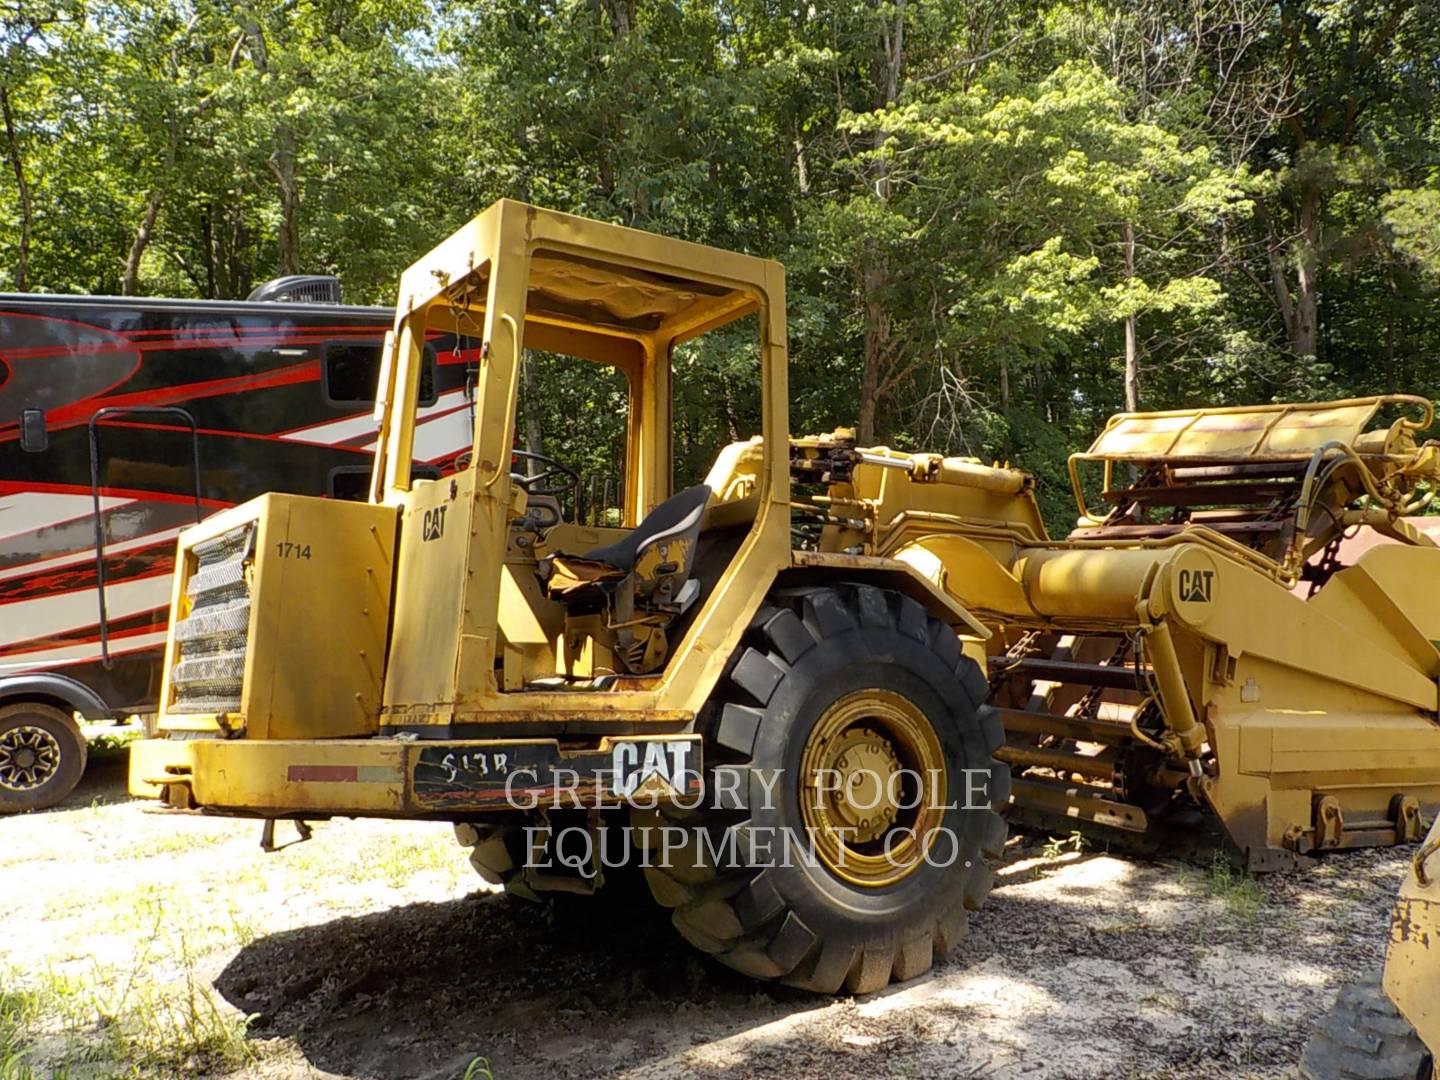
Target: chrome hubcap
[[29, 757]]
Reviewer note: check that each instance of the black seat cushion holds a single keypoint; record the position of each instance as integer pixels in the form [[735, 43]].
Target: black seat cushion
[[676, 514]]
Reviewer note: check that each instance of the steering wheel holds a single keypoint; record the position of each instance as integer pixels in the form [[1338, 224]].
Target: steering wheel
[[554, 478]]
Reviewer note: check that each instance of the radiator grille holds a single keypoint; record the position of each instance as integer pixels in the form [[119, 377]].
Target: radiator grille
[[210, 641]]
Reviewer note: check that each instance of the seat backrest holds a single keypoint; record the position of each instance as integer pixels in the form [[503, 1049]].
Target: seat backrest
[[665, 542], [672, 519]]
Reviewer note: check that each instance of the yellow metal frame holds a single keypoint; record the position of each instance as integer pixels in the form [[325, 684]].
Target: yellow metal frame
[[316, 777], [455, 602], [483, 272]]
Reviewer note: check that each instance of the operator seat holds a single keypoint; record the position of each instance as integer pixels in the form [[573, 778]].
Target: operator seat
[[643, 579]]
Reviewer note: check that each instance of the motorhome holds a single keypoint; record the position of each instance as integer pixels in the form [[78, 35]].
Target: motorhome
[[122, 421]]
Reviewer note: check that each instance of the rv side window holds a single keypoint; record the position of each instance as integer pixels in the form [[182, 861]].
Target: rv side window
[[351, 372], [352, 482]]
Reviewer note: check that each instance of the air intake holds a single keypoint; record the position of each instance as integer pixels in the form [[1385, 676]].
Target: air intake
[[299, 289], [212, 639]]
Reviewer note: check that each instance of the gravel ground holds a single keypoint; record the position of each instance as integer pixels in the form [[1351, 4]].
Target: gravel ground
[[171, 946]]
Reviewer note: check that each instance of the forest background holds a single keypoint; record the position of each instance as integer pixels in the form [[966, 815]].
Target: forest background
[[1002, 221]]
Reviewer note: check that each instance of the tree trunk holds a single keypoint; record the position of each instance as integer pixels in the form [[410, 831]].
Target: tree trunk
[[622, 16], [282, 163], [1280, 286], [1132, 357], [1132, 368], [27, 209], [282, 160], [530, 404], [875, 274], [221, 253], [1304, 337], [876, 345], [1299, 305], [207, 238], [131, 281]]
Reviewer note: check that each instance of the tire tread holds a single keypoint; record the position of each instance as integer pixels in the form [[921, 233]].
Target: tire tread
[[735, 913], [1364, 1037]]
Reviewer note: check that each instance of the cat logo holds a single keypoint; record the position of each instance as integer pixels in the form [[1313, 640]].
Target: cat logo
[[1196, 586], [432, 527], [673, 762]]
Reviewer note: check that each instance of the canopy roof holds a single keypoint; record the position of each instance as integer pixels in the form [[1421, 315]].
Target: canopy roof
[[589, 280]]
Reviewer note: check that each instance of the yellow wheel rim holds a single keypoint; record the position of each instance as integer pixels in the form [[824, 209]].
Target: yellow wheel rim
[[872, 791]]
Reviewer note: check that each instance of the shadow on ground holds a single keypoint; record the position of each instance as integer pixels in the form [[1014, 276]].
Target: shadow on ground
[[104, 783], [1063, 955], [578, 988]]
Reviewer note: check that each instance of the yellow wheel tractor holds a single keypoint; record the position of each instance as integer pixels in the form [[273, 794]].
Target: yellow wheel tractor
[[803, 685]]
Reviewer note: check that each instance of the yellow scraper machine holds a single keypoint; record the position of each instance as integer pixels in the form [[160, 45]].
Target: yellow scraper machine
[[807, 681]]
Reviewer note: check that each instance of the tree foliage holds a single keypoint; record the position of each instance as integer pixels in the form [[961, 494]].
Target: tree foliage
[[1002, 220]]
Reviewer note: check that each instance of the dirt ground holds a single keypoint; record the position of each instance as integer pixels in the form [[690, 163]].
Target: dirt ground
[[134, 944]]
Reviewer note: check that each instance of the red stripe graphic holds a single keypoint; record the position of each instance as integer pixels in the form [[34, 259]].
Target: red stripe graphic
[[159, 619], [218, 433], [349, 329], [120, 346], [133, 565], [16, 487], [81, 411], [50, 352], [306, 371], [273, 341]]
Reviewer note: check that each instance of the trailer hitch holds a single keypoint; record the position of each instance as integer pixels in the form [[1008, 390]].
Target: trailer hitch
[[267, 835]]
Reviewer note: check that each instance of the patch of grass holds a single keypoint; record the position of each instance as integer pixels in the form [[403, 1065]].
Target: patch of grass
[[18, 1008], [181, 836], [173, 843], [137, 910], [180, 1030], [1237, 890], [155, 1017], [244, 930], [111, 744], [14, 1064], [28, 1013], [479, 1069], [1057, 846], [400, 861], [170, 1028], [395, 860]]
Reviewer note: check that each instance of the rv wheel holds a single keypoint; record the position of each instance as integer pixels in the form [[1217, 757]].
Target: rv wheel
[[42, 756]]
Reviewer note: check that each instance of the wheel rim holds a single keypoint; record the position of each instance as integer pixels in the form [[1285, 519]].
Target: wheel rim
[[29, 758], [872, 791]]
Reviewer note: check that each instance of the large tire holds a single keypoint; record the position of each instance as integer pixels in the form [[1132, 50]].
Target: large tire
[[498, 853], [809, 655], [42, 756], [1364, 1037]]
